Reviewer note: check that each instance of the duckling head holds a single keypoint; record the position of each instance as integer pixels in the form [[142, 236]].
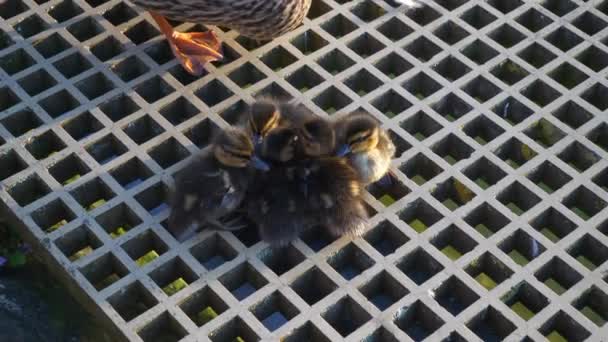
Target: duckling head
[[361, 135], [317, 137], [264, 116], [234, 149], [280, 145]]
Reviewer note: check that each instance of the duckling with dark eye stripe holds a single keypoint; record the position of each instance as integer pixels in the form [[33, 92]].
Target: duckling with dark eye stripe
[[367, 147], [213, 185]]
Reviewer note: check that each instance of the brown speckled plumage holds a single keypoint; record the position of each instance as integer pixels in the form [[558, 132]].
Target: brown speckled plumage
[[256, 19]]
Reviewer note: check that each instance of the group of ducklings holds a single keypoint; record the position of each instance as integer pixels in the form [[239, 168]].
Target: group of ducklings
[[286, 170]]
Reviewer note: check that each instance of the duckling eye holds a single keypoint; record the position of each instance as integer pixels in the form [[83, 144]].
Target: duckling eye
[[360, 139]]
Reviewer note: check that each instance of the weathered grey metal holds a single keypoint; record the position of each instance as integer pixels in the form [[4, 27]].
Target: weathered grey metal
[[91, 89]]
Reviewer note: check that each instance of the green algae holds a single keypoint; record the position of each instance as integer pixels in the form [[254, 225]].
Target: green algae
[[520, 309], [57, 226], [176, 286], [205, 316], [418, 225], [486, 281], [81, 253], [387, 200], [146, 258], [451, 252]]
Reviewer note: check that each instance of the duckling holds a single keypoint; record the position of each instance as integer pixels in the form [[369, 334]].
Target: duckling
[[214, 184], [317, 138], [255, 19], [367, 147]]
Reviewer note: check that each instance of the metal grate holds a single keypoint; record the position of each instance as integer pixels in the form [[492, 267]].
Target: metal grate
[[496, 228]]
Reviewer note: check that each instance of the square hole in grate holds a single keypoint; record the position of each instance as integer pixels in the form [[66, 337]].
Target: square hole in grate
[[213, 93], [421, 86], [335, 62], [131, 173], [179, 73], [564, 39], [488, 271], [93, 3], [558, 276], [306, 332], [451, 107], [486, 220], [104, 271], [450, 4], [59, 103], [132, 301], [213, 252], [365, 45], [572, 114], [601, 179], [154, 89], [568, 76], [451, 68], [21, 122], [599, 136], [230, 55], [450, 33], [553, 225], [173, 276], [154, 199], [162, 328], [368, 11], [141, 32], [44, 145], [594, 58], [118, 220], [549, 177], [12, 8], [491, 325], [383, 290], [161, 52], [78, 243], [145, 247], [393, 65], [281, 260], [119, 14], [168, 153], [544, 133], [454, 295], [8, 98], [593, 304], [51, 45], [85, 29], [350, 261], [452, 149], [142, 129], [278, 58], [421, 126], [106, 149], [422, 14], [453, 194], [72, 65], [346, 316], [93, 194], [69, 169], [478, 17], [386, 238], [559, 7], [37, 82], [596, 95], [509, 72], [418, 321], [64, 11], [274, 90], [515, 153], [31, 26], [313, 294], [203, 306], [483, 130], [5, 40], [536, 55], [589, 252], [479, 52], [274, 311], [423, 49], [130, 68], [518, 198], [202, 133], [107, 49], [391, 103], [400, 143], [305, 78], [578, 156], [339, 26], [181, 109], [331, 100], [15, 62], [309, 42], [525, 300], [235, 330], [317, 238], [246, 76], [11, 163], [453, 242], [248, 236], [245, 42], [243, 280], [420, 216], [533, 20], [387, 195], [481, 89], [562, 327], [394, 29], [94, 86], [419, 266], [506, 36], [521, 247], [420, 169], [52, 216], [505, 6]]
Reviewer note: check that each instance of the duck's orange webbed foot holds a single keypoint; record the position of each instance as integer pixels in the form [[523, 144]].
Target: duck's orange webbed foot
[[192, 49]]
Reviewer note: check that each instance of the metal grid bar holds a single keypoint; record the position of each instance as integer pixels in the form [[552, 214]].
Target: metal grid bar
[[498, 109]]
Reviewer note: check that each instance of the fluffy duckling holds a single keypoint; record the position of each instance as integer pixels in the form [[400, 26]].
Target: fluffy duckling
[[317, 138], [367, 147], [214, 184], [297, 195]]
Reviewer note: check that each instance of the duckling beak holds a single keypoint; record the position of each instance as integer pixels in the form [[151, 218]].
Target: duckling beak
[[259, 164], [343, 150], [257, 139]]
